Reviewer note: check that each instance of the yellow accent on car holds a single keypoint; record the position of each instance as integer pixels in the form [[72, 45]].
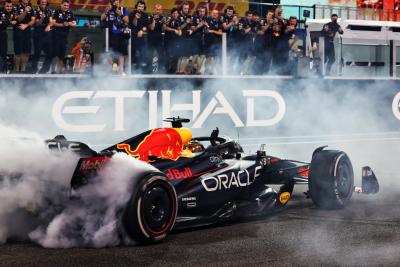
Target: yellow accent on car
[[284, 197], [185, 133]]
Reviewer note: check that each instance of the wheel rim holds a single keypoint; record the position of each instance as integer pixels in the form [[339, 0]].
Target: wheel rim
[[344, 180], [157, 209]]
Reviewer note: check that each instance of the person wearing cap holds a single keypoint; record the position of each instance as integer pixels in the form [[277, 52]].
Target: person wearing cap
[[329, 31]]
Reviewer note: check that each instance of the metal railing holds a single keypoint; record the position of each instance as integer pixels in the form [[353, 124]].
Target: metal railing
[[224, 53], [362, 60], [324, 11]]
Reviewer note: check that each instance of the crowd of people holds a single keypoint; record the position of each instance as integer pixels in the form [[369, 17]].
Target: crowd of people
[[191, 43], [178, 42], [50, 34]]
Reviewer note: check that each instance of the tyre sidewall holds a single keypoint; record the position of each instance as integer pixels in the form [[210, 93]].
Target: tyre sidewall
[[323, 183], [133, 218]]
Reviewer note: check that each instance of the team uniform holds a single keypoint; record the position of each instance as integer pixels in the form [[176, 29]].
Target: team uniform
[[155, 40], [231, 31], [118, 42], [173, 44], [198, 35], [268, 47], [6, 18], [186, 40], [280, 46], [329, 31], [22, 38], [213, 42], [246, 39], [139, 48], [259, 48], [60, 34], [292, 54], [42, 39]]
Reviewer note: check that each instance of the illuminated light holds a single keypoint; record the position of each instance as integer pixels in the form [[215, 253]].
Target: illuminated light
[[303, 172], [274, 160]]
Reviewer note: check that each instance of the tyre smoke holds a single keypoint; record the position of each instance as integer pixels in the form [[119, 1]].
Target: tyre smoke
[[346, 118], [35, 199]]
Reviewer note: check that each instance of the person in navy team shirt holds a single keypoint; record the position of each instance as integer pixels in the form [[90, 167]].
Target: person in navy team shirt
[[173, 36], [7, 18], [138, 22], [63, 21], [213, 36], [116, 20], [155, 38], [329, 31], [42, 36], [22, 34]]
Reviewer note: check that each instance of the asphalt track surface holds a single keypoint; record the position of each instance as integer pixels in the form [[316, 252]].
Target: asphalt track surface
[[366, 233]]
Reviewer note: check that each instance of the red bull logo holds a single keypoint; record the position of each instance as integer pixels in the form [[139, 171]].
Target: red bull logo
[[164, 143], [179, 174]]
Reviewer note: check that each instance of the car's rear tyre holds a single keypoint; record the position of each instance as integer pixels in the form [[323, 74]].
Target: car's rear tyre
[[151, 212], [331, 179]]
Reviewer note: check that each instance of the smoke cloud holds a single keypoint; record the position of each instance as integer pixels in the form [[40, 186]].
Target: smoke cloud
[[344, 118], [35, 200]]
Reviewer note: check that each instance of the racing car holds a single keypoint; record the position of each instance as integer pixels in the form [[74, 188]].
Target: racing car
[[208, 179]]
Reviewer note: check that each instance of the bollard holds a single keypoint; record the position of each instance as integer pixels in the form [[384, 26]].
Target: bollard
[[224, 54], [107, 40], [130, 54], [322, 54]]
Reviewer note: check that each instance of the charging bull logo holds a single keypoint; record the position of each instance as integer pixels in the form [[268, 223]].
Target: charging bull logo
[[163, 143]]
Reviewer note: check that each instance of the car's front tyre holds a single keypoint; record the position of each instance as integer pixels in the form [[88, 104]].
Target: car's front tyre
[[331, 179]]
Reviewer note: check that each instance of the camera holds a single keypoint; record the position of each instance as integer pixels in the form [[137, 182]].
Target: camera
[[86, 45]]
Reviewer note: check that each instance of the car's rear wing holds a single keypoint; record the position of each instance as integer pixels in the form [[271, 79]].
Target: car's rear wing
[[60, 143]]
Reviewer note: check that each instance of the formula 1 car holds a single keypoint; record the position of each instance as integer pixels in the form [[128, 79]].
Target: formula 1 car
[[198, 185]]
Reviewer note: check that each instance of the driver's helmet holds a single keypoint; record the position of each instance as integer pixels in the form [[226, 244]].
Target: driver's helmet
[[191, 149], [194, 146], [230, 150]]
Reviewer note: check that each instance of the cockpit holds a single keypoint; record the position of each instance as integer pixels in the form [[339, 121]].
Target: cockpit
[[194, 146]]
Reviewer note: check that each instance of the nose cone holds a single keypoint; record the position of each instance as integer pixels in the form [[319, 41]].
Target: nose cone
[[185, 134]]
